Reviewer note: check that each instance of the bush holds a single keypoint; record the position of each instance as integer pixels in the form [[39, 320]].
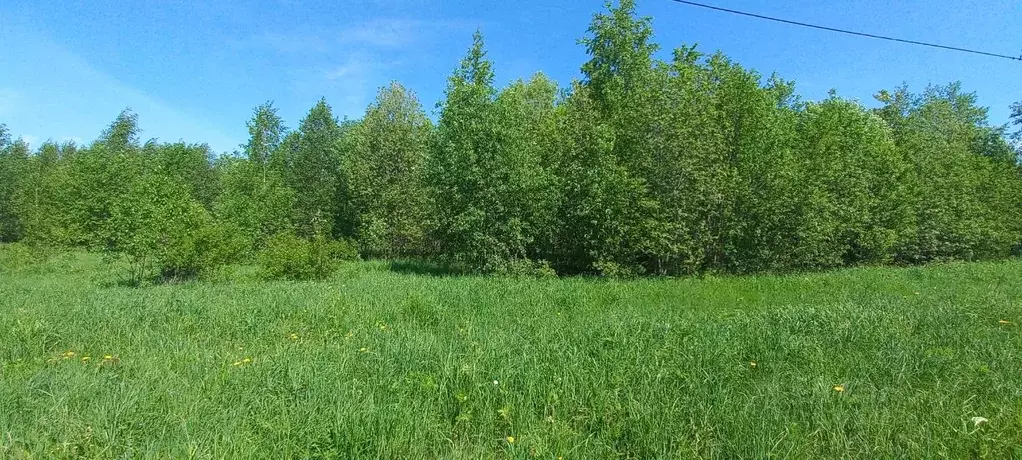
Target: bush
[[342, 250], [14, 256], [287, 256], [202, 251], [526, 268], [157, 226]]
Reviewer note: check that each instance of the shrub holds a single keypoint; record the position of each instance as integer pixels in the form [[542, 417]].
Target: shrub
[[16, 256], [157, 226], [527, 268], [288, 256], [342, 250], [202, 251]]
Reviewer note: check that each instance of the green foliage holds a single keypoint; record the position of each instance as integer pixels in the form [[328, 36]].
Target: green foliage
[[288, 256], [313, 169], [190, 165], [488, 173], [383, 188], [98, 178], [14, 170], [1016, 137], [157, 226], [620, 54], [266, 132], [606, 191], [601, 205], [965, 200], [254, 200], [646, 166], [857, 207], [18, 256], [254, 195], [45, 197]]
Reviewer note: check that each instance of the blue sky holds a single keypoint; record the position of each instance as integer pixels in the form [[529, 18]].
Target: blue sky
[[193, 70]]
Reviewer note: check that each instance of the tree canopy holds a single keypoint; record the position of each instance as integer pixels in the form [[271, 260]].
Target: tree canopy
[[653, 163]]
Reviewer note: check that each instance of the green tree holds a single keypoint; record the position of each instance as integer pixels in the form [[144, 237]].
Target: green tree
[[600, 202], [966, 199], [525, 123], [1016, 136], [43, 217], [620, 54], [15, 164], [857, 205], [626, 235], [312, 170], [253, 193], [259, 205], [97, 179], [159, 228], [188, 164], [383, 186], [486, 178], [266, 132]]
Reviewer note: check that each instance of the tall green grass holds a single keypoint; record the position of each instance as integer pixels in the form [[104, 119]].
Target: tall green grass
[[380, 364]]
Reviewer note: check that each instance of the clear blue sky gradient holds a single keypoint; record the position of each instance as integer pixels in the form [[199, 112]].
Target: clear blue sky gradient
[[193, 70]]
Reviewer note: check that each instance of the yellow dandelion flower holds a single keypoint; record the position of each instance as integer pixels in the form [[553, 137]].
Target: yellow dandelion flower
[[363, 349], [85, 359], [294, 336], [510, 439], [839, 388], [107, 357], [246, 360], [1004, 321], [69, 354], [236, 363], [752, 364]]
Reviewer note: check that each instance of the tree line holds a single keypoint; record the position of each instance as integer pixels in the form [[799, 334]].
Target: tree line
[[645, 166]]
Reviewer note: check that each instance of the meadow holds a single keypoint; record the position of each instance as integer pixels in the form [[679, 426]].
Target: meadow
[[384, 360]]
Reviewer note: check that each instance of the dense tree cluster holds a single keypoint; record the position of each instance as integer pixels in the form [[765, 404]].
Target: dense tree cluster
[[645, 166]]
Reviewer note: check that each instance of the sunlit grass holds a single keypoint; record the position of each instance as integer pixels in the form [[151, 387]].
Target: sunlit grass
[[869, 363]]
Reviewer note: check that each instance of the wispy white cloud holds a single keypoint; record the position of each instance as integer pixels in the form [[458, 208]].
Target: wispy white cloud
[[373, 33], [385, 32], [352, 68], [102, 96], [399, 32], [348, 66], [359, 65], [291, 43], [354, 79]]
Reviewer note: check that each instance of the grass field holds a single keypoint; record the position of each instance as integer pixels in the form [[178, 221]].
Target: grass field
[[381, 363]]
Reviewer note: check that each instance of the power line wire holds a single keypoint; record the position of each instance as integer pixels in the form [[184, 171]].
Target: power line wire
[[849, 32]]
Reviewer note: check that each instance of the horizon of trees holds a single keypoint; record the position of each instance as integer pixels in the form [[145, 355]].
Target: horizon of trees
[[643, 167]]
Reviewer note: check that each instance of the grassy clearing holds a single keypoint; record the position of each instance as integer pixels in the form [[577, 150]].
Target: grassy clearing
[[379, 364]]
